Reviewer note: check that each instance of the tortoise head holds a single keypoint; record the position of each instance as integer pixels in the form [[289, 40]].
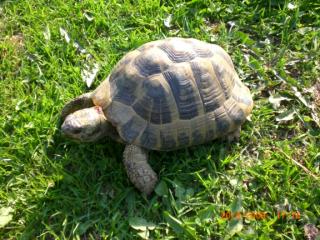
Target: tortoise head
[[86, 125]]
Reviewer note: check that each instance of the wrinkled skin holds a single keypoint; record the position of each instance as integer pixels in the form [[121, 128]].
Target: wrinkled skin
[[90, 124], [86, 125]]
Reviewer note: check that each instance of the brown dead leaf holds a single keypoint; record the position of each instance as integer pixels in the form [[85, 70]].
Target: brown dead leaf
[[311, 232]]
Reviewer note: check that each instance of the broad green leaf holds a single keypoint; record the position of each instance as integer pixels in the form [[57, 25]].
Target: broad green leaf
[[286, 116], [276, 100], [208, 213], [244, 38], [234, 227], [300, 97], [271, 221], [174, 223], [236, 205], [179, 227], [162, 189], [144, 234], [141, 224]]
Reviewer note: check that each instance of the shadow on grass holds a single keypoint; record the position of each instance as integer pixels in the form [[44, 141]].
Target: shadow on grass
[[88, 190]]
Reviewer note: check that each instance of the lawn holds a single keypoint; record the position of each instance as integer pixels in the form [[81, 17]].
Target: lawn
[[266, 186]]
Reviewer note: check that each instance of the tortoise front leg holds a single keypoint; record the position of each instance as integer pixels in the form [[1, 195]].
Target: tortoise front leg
[[81, 102], [234, 136], [142, 176]]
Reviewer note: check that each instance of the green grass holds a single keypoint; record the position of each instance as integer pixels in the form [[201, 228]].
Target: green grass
[[52, 188]]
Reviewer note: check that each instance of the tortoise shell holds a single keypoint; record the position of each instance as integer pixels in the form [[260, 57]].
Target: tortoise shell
[[175, 93]]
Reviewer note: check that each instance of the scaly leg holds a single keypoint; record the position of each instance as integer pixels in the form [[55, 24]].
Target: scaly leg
[[235, 135], [140, 173]]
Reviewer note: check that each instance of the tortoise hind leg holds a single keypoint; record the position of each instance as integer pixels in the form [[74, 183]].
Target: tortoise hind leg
[[140, 173], [81, 102]]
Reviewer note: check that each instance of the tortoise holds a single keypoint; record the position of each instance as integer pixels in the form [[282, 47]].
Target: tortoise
[[165, 95]]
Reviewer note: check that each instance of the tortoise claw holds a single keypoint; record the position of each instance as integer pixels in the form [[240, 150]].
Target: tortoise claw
[[140, 173], [234, 136]]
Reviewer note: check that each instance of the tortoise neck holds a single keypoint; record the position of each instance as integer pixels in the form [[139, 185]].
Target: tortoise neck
[[101, 96]]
